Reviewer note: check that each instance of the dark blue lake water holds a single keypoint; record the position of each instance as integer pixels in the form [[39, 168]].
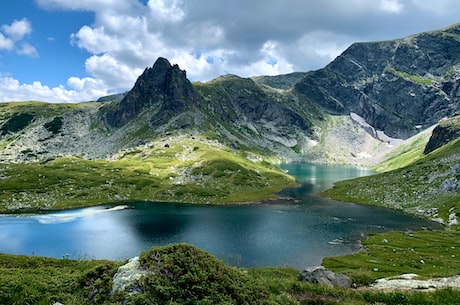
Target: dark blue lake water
[[296, 233]]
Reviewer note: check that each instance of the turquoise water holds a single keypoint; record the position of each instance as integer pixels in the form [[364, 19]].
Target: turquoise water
[[296, 233]]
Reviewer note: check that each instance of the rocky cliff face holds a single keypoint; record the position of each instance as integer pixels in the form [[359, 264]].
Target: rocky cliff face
[[253, 115], [397, 86], [238, 111], [164, 89], [447, 131]]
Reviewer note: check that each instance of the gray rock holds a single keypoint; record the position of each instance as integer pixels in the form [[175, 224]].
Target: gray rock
[[322, 276], [127, 276], [450, 185]]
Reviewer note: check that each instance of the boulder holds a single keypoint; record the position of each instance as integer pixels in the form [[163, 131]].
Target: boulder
[[127, 276], [322, 276]]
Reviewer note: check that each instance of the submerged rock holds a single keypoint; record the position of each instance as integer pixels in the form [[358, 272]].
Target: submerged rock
[[323, 276]]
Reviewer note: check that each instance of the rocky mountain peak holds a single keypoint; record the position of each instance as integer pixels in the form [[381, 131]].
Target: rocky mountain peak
[[164, 88], [397, 86]]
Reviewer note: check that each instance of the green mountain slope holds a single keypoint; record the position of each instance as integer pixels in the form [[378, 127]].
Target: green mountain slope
[[429, 187], [180, 169]]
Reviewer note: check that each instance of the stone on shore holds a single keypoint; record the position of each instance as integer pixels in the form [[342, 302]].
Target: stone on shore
[[322, 276]]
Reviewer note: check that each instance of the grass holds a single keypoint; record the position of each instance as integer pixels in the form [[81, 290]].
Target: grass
[[422, 81], [416, 188], [425, 253], [39, 280], [188, 170], [406, 153], [182, 274], [40, 109]]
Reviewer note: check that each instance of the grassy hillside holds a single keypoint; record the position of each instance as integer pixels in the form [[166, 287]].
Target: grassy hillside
[[427, 187], [405, 154], [179, 169]]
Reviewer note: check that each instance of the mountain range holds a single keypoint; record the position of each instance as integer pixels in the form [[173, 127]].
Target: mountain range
[[371, 99]]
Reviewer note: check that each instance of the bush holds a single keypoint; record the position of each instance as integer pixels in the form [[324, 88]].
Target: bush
[[183, 274]]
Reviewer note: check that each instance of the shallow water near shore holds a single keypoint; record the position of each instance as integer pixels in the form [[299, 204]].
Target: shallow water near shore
[[296, 233]]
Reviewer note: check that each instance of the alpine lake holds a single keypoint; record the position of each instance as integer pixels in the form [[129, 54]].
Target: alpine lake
[[296, 232]]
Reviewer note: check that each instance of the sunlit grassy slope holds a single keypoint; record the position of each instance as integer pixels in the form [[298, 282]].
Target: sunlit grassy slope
[[424, 188], [408, 152], [425, 253], [180, 169]]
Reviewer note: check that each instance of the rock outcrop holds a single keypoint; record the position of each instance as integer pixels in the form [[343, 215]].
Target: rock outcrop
[[323, 276], [411, 282], [128, 276], [446, 131]]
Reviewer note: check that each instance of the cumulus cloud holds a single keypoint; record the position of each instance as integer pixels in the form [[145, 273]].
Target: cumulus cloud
[[18, 29], [27, 49], [83, 90], [12, 35], [208, 38]]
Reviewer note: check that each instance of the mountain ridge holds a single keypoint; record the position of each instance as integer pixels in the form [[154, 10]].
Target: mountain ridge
[[353, 111]]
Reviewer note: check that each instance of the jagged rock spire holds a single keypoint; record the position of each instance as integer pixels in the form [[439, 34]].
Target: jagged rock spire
[[163, 86]]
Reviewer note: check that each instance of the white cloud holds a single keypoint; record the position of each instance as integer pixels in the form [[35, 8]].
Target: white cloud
[[27, 49], [13, 35], [85, 90], [111, 71], [18, 29], [168, 11], [391, 6]]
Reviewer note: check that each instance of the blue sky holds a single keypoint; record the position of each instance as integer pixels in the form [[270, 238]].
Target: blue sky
[[50, 31], [79, 50]]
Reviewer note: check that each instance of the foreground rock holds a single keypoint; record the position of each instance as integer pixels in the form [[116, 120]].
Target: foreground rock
[[322, 276], [410, 282], [127, 276]]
